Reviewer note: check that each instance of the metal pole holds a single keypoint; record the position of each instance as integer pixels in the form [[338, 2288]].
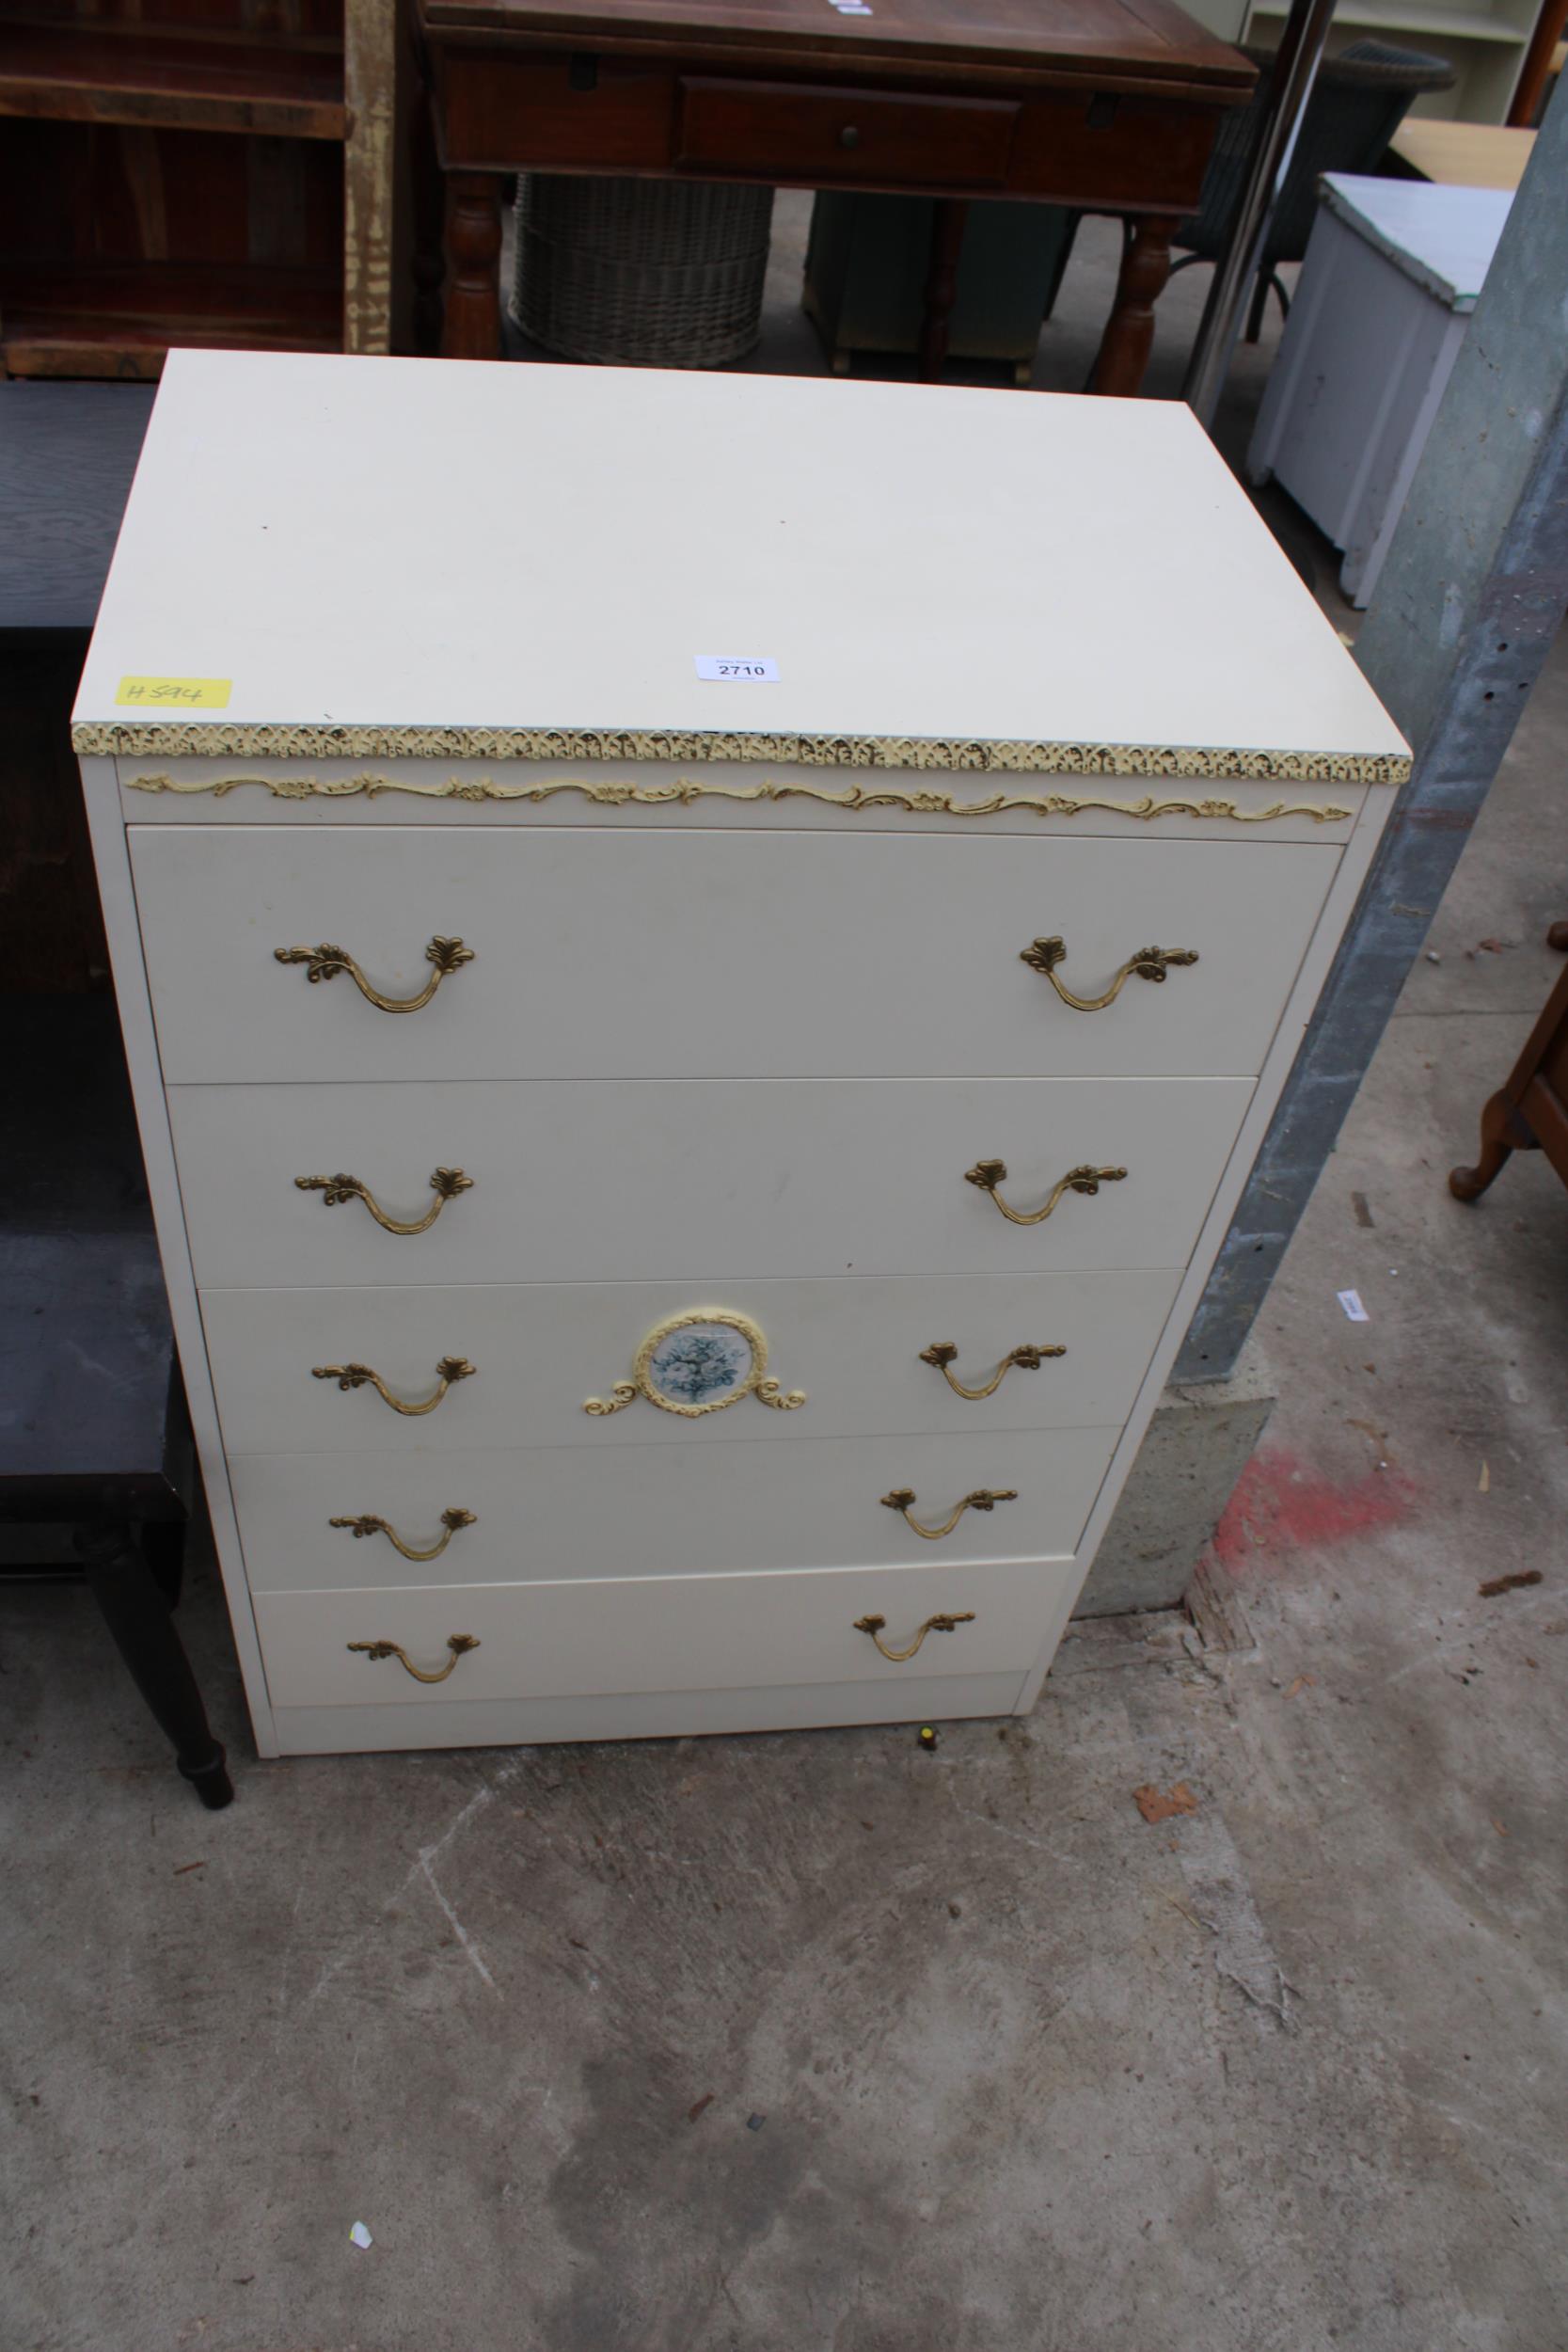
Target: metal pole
[[1466, 609], [1294, 70]]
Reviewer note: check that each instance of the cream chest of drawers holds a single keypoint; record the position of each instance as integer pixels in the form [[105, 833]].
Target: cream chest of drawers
[[679, 1192]]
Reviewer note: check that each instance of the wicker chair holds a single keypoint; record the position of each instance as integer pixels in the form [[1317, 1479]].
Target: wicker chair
[[1358, 102]]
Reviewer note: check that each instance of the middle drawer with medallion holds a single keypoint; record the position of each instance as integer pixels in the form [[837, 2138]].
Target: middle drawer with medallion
[[431, 1374]]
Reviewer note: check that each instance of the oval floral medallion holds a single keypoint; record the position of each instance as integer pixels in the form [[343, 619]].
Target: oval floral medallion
[[703, 1365], [699, 1364]]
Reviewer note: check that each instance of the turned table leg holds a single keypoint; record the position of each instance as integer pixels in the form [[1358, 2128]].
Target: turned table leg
[[948, 216], [1502, 1134], [1129, 335], [137, 1617], [470, 328]]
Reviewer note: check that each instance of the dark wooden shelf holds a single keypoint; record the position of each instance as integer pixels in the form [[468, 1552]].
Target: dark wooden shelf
[[107, 73], [119, 319]]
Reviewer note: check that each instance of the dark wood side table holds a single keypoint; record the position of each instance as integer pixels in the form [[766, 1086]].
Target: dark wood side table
[[1530, 1112], [1104, 105], [94, 1436]]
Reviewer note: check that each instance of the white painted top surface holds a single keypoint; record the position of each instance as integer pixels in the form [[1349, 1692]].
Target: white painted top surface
[[404, 543], [1443, 237]]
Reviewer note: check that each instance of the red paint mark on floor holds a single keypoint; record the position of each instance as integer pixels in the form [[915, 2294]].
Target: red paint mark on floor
[[1281, 1504]]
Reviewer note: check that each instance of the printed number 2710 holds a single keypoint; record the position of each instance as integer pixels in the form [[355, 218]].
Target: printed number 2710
[[733, 669]]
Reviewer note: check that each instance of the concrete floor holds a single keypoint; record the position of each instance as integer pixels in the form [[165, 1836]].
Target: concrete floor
[[823, 2043]]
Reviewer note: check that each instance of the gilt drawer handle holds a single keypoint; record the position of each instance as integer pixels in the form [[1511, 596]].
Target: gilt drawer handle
[[450, 1369], [457, 1643], [324, 963], [983, 1499], [1146, 963], [948, 1621], [988, 1174], [445, 1182], [943, 1355], [367, 1524]]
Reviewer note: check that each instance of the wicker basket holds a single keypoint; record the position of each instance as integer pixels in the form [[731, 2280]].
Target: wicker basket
[[640, 272]]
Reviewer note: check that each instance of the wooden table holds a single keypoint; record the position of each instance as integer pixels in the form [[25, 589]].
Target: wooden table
[[1463, 154], [1104, 105], [1530, 1112], [95, 1436]]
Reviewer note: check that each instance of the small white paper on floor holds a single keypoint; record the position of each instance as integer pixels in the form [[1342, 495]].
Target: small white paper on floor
[[360, 2236], [737, 669], [1351, 1301]]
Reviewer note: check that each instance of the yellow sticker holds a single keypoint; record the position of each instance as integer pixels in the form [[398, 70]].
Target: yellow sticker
[[175, 693]]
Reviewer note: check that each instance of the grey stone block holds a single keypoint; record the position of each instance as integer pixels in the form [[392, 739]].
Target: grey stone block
[[1197, 1445]]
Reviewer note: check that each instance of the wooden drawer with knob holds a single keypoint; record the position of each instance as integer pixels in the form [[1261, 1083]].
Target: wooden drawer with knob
[[768, 130], [430, 1645]]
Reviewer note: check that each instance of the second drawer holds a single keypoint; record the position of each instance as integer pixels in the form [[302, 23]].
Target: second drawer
[[558, 1514], [600, 1180], [859, 1351]]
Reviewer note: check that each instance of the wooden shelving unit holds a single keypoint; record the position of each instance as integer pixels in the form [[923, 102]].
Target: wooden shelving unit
[[193, 178]]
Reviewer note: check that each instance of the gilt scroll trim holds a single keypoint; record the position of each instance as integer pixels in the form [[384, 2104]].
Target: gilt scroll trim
[[368, 1523], [902, 1499], [946, 1621], [988, 1174], [459, 1644], [445, 1182], [450, 1369], [612, 792], [943, 1355]]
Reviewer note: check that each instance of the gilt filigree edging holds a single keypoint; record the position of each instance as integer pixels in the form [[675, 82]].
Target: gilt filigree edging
[[191, 740], [617, 793]]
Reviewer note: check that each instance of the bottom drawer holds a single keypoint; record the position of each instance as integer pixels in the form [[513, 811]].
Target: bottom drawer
[[640, 1714], [682, 1633]]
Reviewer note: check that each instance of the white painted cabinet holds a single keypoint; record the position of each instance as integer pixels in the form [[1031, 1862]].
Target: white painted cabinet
[[678, 1196], [1392, 272]]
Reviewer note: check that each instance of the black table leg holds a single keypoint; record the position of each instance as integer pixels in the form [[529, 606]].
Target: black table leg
[[138, 1617]]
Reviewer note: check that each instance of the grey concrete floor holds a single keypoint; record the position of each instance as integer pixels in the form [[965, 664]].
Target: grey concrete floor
[[822, 2043]]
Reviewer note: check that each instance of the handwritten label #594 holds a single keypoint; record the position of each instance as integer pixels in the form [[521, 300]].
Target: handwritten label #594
[[174, 693], [737, 669]]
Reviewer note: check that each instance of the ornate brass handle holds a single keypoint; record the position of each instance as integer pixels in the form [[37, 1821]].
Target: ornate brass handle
[[445, 1182], [367, 1524], [983, 1499], [988, 1174], [457, 1643], [450, 1369], [945, 1354], [1146, 963], [326, 961], [945, 1623]]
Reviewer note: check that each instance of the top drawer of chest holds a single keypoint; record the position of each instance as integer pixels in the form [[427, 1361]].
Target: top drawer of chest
[[649, 955]]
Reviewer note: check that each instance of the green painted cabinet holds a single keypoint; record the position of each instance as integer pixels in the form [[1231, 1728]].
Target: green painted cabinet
[[867, 265]]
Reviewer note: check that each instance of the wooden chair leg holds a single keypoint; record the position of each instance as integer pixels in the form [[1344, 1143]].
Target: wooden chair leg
[[144, 1632], [949, 216], [1502, 1134], [1129, 334], [471, 320], [1260, 285]]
